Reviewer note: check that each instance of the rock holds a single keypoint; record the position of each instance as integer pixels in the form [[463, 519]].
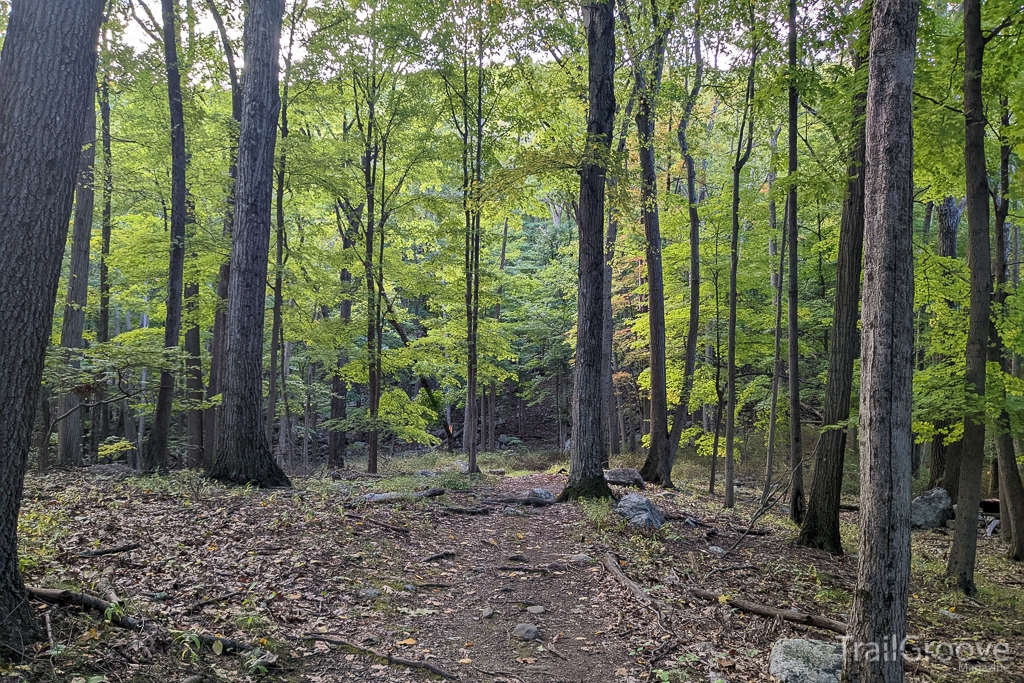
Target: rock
[[536, 609], [463, 466], [513, 512], [425, 473], [714, 549], [409, 588], [497, 473], [526, 632], [518, 557], [951, 615], [624, 476], [487, 613], [502, 439], [537, 493], [640, 512], [806, 661], [581, 557], [931, 509], [369, 593]]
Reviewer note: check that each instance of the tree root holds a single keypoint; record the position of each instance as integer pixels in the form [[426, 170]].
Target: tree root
[[815, 620], [535, 502], [374, 522], [390, 658]]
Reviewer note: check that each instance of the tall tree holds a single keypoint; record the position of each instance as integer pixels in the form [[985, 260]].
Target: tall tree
[[796, 451], [155, 454], [106, 219], [979, 262], [243, 454], [47, 77], [879, 615], [586, 479], [821, 524], [69, 430]]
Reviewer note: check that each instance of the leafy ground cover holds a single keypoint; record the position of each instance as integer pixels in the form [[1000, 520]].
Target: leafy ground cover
[[426, 581]]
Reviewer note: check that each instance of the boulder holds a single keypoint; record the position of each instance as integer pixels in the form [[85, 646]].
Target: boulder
[[640, 512], [526, 632], [624, 476], [931, 509], [502, 439], [543, 494], [806, 661]]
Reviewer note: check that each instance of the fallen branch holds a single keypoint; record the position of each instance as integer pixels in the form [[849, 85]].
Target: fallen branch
[[815, 620], [467, 511], [849, 508], [109, 551], [733, 568], [195, 607], [352, 476], [397, 496], [383, 525], [438, 556], [116, 617], [535, 502], [388, 657], [611, 563]]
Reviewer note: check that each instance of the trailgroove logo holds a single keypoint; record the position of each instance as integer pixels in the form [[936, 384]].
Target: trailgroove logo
[[968, 655]]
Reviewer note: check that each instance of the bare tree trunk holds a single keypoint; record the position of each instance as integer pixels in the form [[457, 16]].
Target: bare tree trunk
[[821, 525], [243, 454], [979, 262], [769, 467], [879, 616], [103, 329], [586, 479], [155, 455], [69, 430], [47, 75], [796, 451]]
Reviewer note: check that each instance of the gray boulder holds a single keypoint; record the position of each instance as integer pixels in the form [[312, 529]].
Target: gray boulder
[[640, 512], [543, 494], [806, 661], [624, 476], [931, 509], [526, 632]]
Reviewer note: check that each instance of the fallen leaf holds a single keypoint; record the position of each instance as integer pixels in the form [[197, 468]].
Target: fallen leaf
[[407, 641], [465, 660]]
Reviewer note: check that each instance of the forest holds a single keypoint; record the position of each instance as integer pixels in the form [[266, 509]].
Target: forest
[[511, 340]]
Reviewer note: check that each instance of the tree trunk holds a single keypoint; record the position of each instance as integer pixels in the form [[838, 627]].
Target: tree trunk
[[743, 149], [821, 524], [979, 262], [586, 478], [69, 430], [47, 75], [769, 468], [657, 468], [243, 454], [155, 455], [337, 440], [796, 454], [103, 330], [213, 387], [879, 614]]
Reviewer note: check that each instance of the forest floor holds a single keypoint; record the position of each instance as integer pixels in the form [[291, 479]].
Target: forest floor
[[279, 568]]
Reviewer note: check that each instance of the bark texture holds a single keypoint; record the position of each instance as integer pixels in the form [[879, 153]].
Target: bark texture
[[47, 72], [821, 524], [879, 614], [243, 454], [586, 478], [979, 262]]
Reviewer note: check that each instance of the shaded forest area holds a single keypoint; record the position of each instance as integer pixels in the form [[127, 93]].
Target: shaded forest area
[[379, 274]]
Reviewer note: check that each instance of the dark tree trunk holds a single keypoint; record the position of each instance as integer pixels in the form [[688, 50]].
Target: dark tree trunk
[[337, 440], [797, 505], [821, 525], [743, 149], [979, 262], [69, 430], [657, 468], [690, 362], [243, 454], [769, 468], [103, 330], [194, 377], [879, 614], [224, 275], [155, 455], [47, 76], [586, 479]]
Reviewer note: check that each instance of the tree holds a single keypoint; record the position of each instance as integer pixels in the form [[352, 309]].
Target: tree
[[879, 615], [47, 76], [821, 524], [243, 454], [155, 453], [586, 479], [69, 431], [979, 262]]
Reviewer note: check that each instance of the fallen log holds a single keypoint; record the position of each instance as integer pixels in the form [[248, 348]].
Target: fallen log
[[535, 502], [438, 556], [397, 496], [804, 618], [109, 551], [195, 607], [467, 511], [386, 656]]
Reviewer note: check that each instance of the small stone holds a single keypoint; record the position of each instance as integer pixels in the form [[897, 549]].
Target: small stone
[[369, 593], [497, 473], [487, 613], [518, 557], [536, 609], [513, 512], [409, 588], [581, 557], [526, 632], [806, 661], [951, 615], [714, 549], [425, 473]]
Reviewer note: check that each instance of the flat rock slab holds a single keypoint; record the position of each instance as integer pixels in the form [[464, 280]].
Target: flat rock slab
[[624, 476], [931, 510], [640, 512], [806, 661]]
